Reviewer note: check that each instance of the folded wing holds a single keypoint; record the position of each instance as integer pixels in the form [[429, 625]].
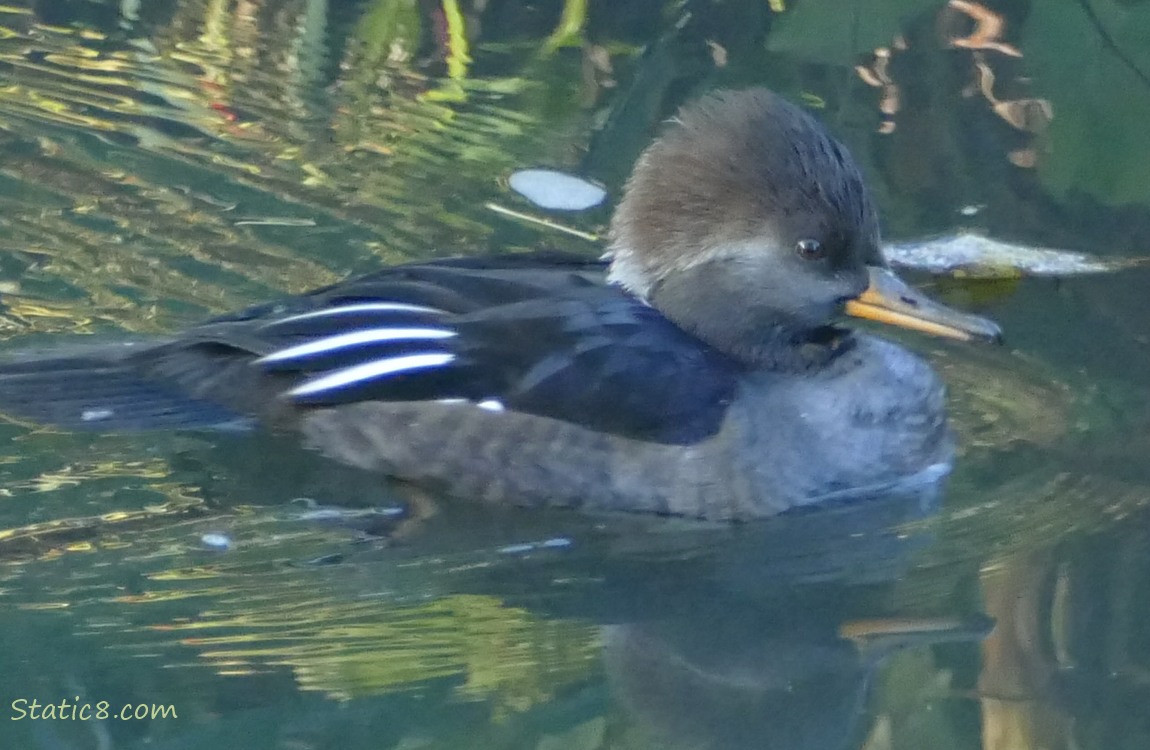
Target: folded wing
[[532, 333]]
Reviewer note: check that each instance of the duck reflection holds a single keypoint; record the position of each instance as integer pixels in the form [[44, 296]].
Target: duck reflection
[[781, 634], [766, 636], [735, 678], [511, 629]]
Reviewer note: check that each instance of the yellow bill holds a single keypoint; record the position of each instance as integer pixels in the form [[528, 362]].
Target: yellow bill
[[891, 300]]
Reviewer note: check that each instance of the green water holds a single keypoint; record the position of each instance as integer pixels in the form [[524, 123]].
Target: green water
[[164, 161]]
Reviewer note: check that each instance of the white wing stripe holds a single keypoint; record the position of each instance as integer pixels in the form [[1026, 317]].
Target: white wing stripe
[[380, 368], [354, 339], [360, 307]]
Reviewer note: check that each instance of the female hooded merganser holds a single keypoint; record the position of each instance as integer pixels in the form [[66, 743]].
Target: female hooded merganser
[[696, 373]]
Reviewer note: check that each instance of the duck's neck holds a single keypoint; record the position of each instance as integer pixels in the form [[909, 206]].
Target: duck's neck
[[805, 351], [777, 348], [734, 320]]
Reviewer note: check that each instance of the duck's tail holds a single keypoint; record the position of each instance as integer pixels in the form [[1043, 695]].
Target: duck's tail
[[112, 388]]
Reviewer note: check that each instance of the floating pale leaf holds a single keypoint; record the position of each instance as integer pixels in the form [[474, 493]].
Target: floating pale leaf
[[556, 191], [216, 541], [969, 254]]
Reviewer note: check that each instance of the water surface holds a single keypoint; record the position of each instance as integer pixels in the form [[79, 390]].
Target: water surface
[[161, 162]]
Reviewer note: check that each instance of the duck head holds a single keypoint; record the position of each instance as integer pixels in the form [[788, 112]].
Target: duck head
[[749, 226]]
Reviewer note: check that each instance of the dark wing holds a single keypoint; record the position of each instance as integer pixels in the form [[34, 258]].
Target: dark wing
[[534, 333]]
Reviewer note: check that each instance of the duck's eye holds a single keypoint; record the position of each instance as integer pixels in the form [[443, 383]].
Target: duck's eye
[[810, 250]]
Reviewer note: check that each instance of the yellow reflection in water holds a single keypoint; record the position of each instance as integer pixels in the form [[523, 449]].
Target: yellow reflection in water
[[353, 649]]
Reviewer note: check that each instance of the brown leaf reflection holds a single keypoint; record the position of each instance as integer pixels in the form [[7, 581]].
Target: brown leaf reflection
[[984, 42], [987, 32]]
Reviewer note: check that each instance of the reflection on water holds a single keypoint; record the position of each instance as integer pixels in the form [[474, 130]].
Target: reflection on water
[[163, 161]]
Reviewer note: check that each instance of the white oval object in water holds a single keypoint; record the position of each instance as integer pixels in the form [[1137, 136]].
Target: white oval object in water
[[216, 541], [556, 191]]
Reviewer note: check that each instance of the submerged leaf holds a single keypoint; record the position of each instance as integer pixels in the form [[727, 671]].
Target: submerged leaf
[[972, 254]]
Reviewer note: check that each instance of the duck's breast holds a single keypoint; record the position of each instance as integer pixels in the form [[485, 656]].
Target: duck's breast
[[875, 418]]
